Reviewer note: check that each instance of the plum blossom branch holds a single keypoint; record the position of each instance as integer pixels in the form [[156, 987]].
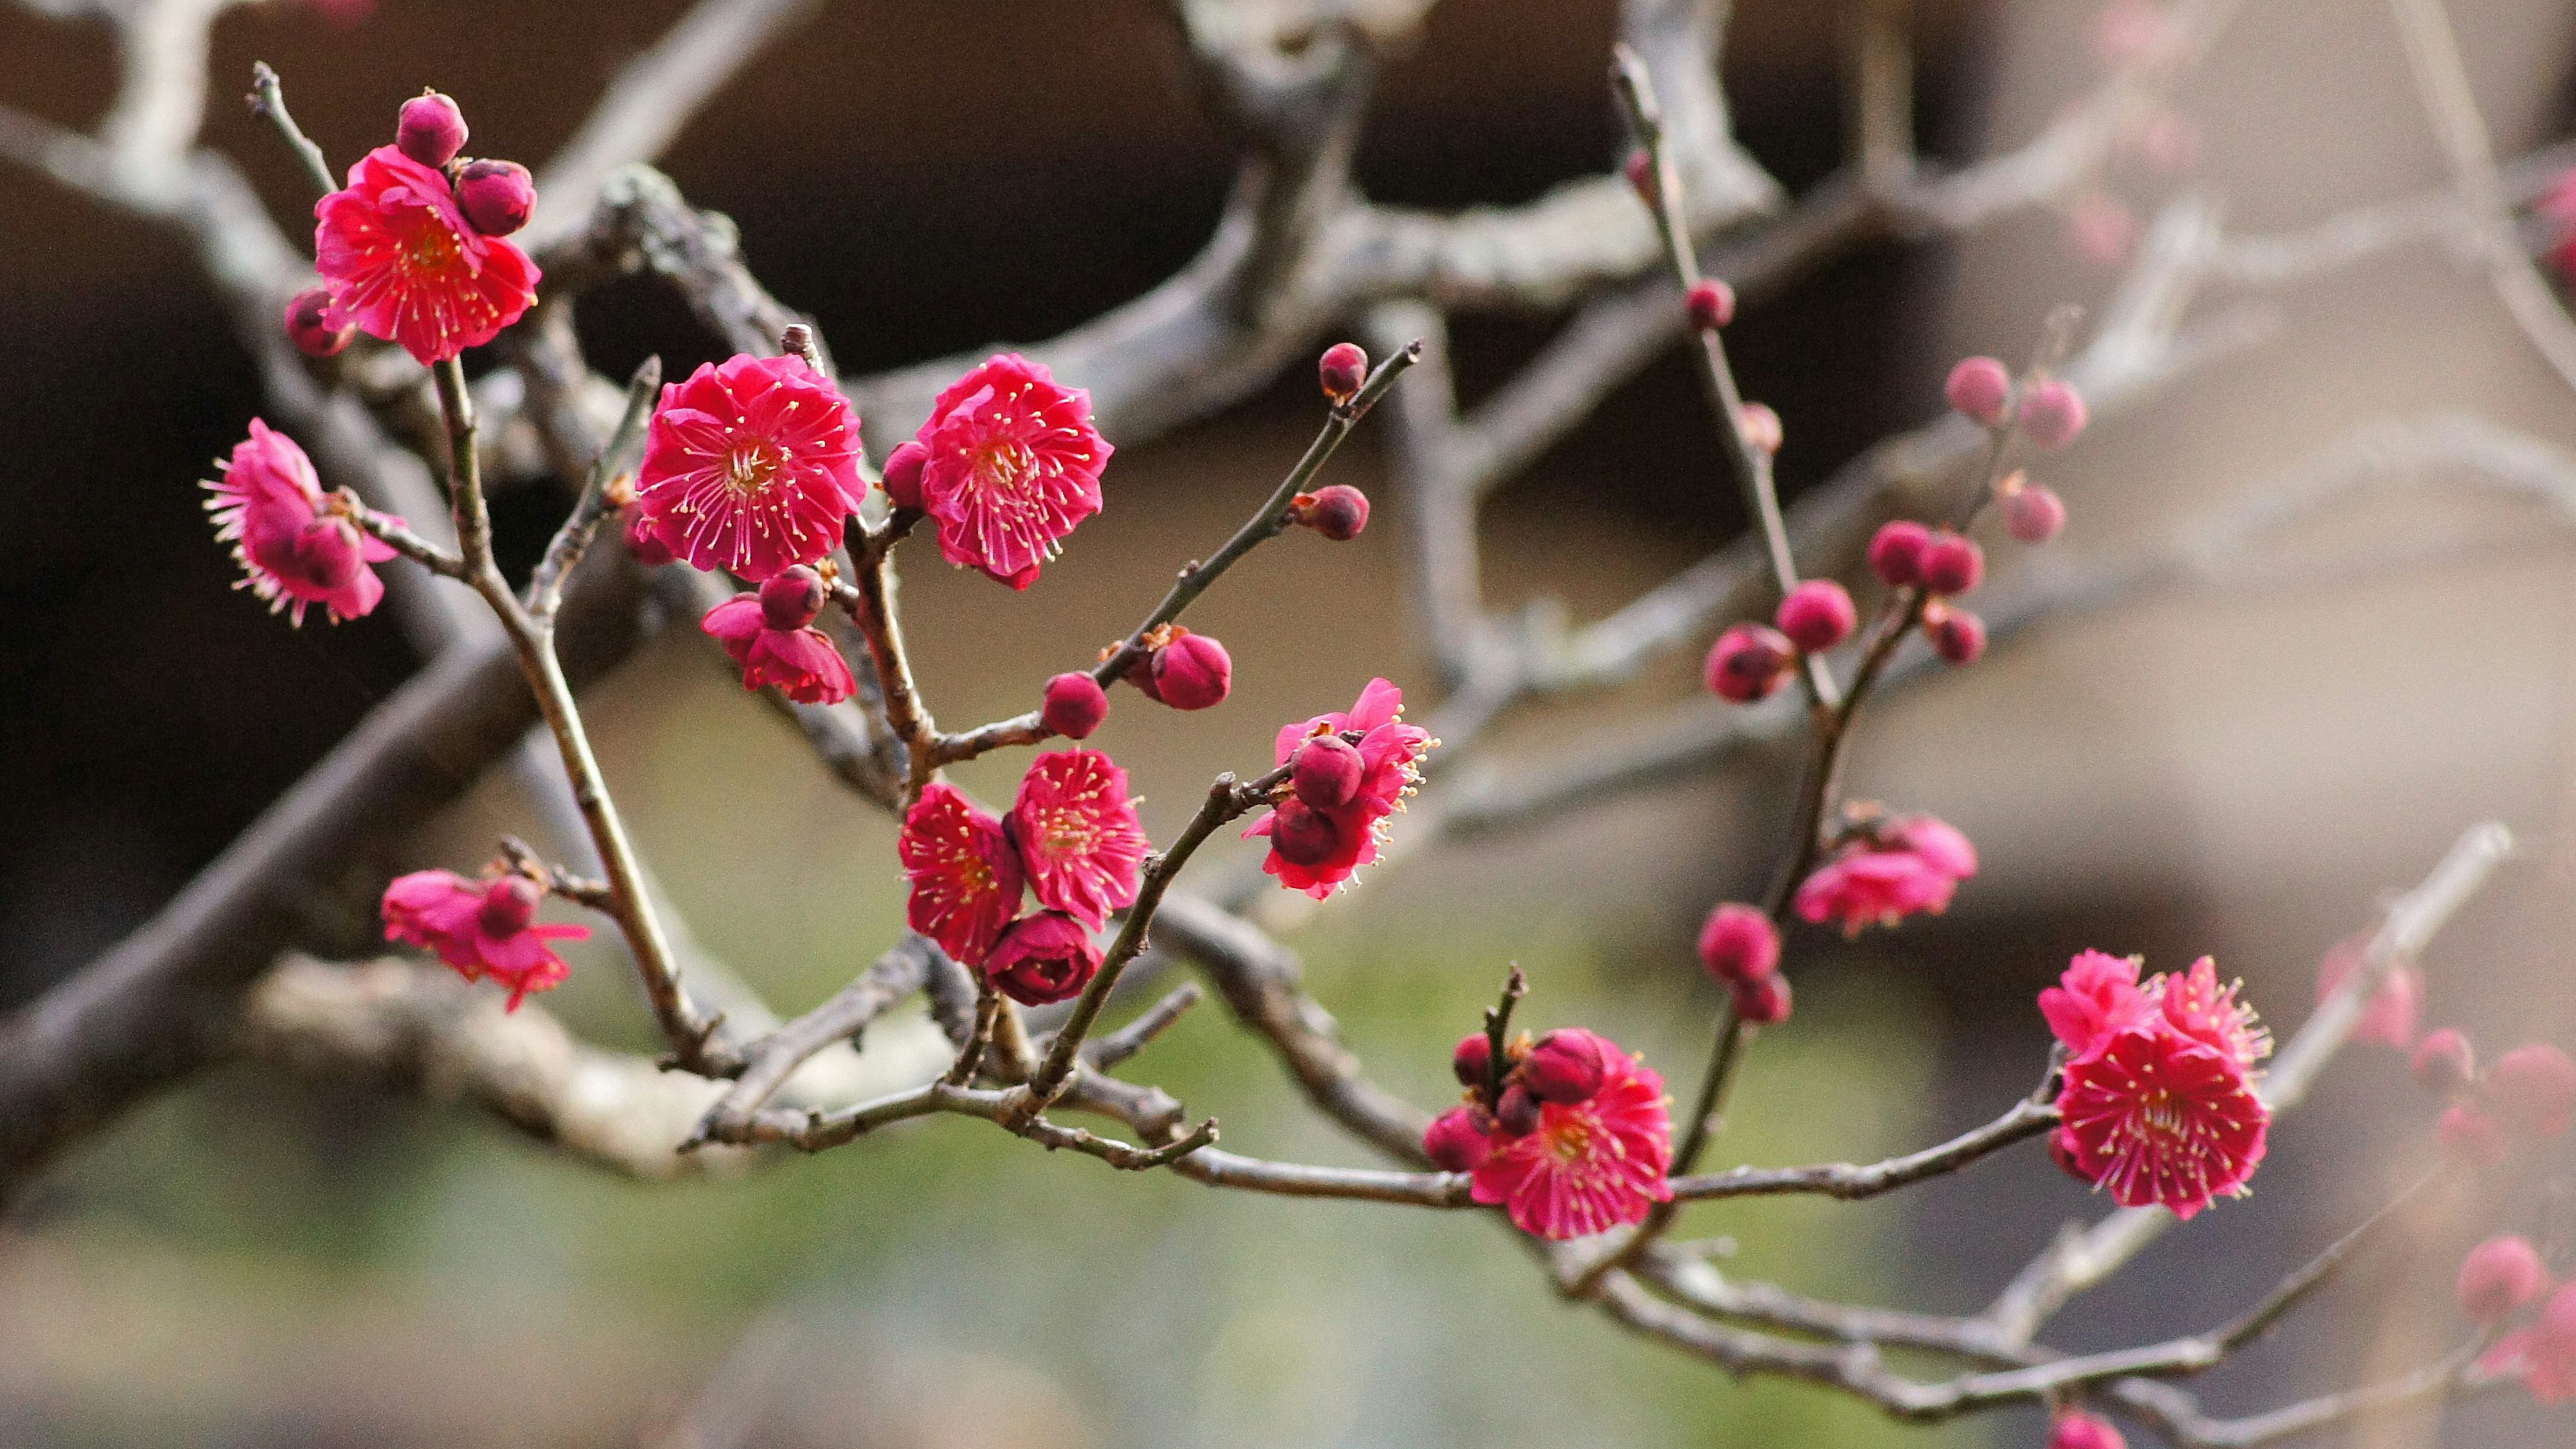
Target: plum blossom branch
[[2028, 1118]]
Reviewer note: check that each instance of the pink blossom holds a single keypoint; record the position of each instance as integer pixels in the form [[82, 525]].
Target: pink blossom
[[1077, 834], [1043, 958], [770, 633], [1349, 834], [1012, 463], [2160, 1117], [1588, 1167], [751, 465], [2499, 1276], [2097, 999], [294, 550], [480, 928], [1915, 863], [966, 878], [404, 264], [2394, 1010], [2544, 1353]]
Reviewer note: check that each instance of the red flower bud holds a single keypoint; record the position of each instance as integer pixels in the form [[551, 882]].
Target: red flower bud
[[1473, 1060], [1075, 705], [2499, 1276], [326, 553], [1978, 388], [1748, 662], [1763, 1002], [498, 197], [2076, 1429], [305, 328], [1817, 615], [2052, 414], [1896, 553], [1739, 943], [1326, 772], [1454, 1142], [2533, 1088], [430, 129], [902, 475], [2444, 1061], [1762, 431], [1952, 564], [1337, 511], [509, 904], [1341, 370], [2471, 1137], [1043, 958], [790, 598], [644, 543], [1565, 1068], [1303, 835], [1957, 635], [2034, 513], [1518, 1115], [1712, 305], [1192, 672]]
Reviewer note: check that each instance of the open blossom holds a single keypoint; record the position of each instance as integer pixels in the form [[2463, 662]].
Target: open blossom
[[403, 263], [1010, 464], [771, 635], [966, 878], [293, 551], [1316, 850], [481, 928], [1077, 834], [1915, 863], [1589, 1166], [2097, 999], [2158, 1104], [751, 465]]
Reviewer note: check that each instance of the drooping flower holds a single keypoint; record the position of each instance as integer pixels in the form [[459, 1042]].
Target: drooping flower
[[1043, 958], [480, 928], [404, 264], [294, 551], [1914, 863], [966, 878], [751, 464], [770, 633], [1011, 464], [1587, 1167], [1077, 834], [2394, 1010], [1320, 849], [2097, 999], [2159, 1117], [2543, 1353]]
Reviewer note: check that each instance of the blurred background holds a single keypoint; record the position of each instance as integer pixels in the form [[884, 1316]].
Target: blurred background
[[2244, 770]]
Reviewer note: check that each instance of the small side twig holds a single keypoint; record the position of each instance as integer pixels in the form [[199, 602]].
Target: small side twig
[[268, 102], [545, 587]]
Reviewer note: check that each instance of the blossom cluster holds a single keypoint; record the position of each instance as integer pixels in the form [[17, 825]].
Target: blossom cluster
[[296, 545], [1568, 1134], [1348, 771], [484, 929]]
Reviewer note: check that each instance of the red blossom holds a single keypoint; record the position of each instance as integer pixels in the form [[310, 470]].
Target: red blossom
[[1588, 1167], [1077, 834], [770, 634], [2544, 1353], [2097, 999], [1011, 464], [966, 878], [1915, 863], [480, 928], [2159, 1117], [1043, 958], [293, 550], [1348, 834], [751, 465], [404, 264]]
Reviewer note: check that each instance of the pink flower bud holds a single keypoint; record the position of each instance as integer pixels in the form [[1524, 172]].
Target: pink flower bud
[[2034, 513], [1518, 1115], [1712, 304], [1896, 553], [2471, 1137], [1342, 369], [306, 328], [1326, 772], [498, 197], [2078, 1430], [1979, 388], [430, 129], [1043, 958], [791, 597], [1748, 662], [2533, 1088], [1302, 834], [509, 904], [2444, 1061], [1075, 705], [643, 542], [1192, 672], [1473, 1060], [1957, 635], [1764, 1002], [1952, 564], [2499, 1276], [2052, 414], [1565, 1068], [1338, 511], [1817, 615], [1454, 1142], [1739, 944], [902, 475], [1762, 431], [1640, 171]]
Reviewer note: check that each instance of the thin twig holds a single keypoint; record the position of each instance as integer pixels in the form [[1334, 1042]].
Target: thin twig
[[545, 588]]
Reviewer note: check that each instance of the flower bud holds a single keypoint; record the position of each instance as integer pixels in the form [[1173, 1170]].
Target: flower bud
[[1748, 662], [2052, 414], [643, 542], [1338, 511], [1044, 958], [902, 475], [1957, 635], [1817, 615], [1192, 672], [1712, 305], [1075, 705], [790, 598], [326, 553], [307, 329], [1473, 1061], [1326, 772], [1764, 1002], [1565, 1068], [2034, 513], [1640, 171], [430, 129], [2444, 1062], [1896, 552], [1454, 1142], [1518, 1115], [1978, 389], [1762, 431], [497, 197], [2471, 1137], [1342, 369], [1739, 943], [1952, 564], [2533, 1088], [2499, 1276], [1302, 834], [2076, 1429], [509, 904]]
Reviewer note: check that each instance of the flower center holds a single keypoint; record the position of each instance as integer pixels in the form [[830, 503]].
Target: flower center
[[1569, 1138], [752, 467], [2161, 1114], [1001, 463], [1067, 833], [430, 247]]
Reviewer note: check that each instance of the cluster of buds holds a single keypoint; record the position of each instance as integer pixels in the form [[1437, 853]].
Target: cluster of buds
[[1751, 661], [1181, 669], [2528, 1094], [2499, 1279], [1566, 1068], [1741, 948], [1906, 555]]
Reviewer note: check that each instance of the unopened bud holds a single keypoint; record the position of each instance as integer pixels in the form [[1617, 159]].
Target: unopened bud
[[430, 129], [790, 598], [1739, 944], [1337, 511], [1952, 564], [2444, 1062], [1640, 170], [308, 329], [1957, 635], [1192, 672], [1712, 304], [1748, 662], [1075, 705], [1564, 1067], [2499, 1276], [2034, 513], [1302, 834], [1342, 369], [2076, 1429], [509, 904], [1896, 553], [1763, 1002], [1979, 389], [644, 543], [1473, 1061], [1455, 1143], [498, 197], [1762, 431], [902, 475], [1518, 1114], [2052, 414], [1326, 772], [2533, 1089], [1817, 615]]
